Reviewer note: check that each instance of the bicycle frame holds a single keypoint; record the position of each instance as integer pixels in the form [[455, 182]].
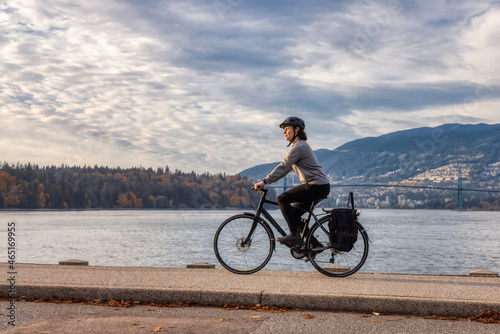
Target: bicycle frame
[[261, 210]]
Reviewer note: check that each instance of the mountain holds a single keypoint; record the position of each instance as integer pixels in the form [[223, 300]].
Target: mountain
[[415, 155]]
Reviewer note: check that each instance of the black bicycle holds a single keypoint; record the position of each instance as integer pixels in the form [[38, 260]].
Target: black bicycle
[[244, 243]]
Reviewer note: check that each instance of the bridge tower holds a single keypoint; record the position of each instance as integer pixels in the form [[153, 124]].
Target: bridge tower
[[459, 188]]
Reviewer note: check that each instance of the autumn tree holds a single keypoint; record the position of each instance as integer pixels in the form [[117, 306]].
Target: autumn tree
[[42, 196], [234, 201], [13, 197], [151, 202], [123, 201], [6, 180]]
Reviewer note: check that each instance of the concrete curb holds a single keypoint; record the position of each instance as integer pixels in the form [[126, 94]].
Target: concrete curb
[[154, 295], [380, 304], [305, 301]]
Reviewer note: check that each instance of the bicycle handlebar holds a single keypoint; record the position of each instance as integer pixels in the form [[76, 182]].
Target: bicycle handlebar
[[263, 189]]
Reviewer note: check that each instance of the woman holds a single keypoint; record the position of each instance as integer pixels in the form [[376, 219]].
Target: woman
[[315, 183]]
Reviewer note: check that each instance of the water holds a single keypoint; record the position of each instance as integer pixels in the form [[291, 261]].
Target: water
[[403, 241]]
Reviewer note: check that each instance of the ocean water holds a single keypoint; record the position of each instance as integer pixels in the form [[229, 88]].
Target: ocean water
[[402, 241]]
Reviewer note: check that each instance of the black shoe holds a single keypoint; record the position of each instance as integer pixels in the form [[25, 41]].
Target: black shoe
[[294, 240]]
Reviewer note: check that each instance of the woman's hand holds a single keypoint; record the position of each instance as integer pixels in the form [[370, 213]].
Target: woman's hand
[[259, 185]]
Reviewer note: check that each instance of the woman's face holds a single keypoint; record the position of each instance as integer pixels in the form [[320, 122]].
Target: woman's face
[[289, 132]]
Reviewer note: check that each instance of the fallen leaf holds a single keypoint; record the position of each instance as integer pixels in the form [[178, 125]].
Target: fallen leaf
[[436, 317], [487, 317], [221, 319], [134, 324], [257, 307], [156, 330], [374, 321], [308, 316]]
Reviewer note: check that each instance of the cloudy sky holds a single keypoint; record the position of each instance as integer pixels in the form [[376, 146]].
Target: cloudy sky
[[203, 84]]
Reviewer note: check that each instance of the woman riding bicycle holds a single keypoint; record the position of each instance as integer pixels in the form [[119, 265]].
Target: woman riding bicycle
[[315, 184]]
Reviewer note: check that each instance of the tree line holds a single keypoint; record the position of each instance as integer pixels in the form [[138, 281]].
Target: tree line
[[31, 186]]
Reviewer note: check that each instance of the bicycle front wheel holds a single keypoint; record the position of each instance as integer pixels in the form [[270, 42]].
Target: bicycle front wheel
[[237, 256], [332, 262]]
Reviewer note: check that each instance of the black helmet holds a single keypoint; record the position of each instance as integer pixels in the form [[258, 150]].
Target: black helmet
[[293, 121]]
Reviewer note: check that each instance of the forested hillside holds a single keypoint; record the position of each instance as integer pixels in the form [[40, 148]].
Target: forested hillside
[[405, 155], [30, 186]]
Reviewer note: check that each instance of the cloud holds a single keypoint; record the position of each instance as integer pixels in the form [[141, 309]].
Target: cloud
[[202, 85]]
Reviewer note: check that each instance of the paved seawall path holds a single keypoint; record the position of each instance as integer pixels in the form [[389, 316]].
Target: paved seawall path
[[459, 296]]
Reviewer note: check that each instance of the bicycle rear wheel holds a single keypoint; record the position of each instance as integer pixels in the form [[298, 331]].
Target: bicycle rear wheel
[[332, 262], [238, 257]]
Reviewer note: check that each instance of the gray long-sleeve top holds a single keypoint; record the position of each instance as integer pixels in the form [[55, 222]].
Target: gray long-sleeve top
[[302, 160]]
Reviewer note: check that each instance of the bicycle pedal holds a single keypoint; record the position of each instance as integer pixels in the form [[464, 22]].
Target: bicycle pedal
[[297, 247], [319, 249]]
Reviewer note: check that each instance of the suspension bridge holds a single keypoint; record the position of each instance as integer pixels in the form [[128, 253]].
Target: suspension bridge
[[459, 189]]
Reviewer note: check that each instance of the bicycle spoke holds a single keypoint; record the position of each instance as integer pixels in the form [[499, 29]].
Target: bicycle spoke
[[236, 256], [336, 263]]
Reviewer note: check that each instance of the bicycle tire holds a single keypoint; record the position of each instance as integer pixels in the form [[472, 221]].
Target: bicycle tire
[[240, 259], [334, 263]]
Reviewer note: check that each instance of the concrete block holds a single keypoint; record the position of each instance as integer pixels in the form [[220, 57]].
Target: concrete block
[[201, 265], [74, 263], [483, 273]]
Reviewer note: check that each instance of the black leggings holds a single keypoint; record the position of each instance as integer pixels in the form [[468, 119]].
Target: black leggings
[[302, 196]]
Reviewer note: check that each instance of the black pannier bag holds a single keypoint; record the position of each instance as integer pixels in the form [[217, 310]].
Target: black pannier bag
[[343, 230]]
